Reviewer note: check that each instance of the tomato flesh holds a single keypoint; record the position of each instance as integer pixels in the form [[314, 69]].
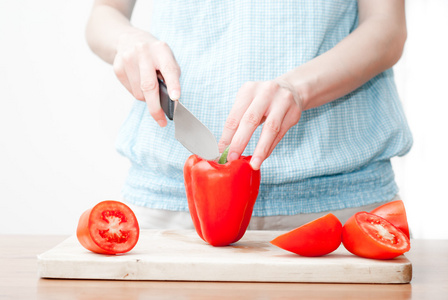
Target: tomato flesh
[[316, 238], [110, 227], [395, 213], [114, 234], [371, 236]]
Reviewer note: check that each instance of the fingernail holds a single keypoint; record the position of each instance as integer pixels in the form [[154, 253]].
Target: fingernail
[[232, 156], [175, 95], [255, 162], [162, 123]]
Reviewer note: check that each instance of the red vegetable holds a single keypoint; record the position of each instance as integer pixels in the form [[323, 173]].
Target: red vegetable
[[369, 235], [395, 213], [110, 227], [316, 238], [221, 197]]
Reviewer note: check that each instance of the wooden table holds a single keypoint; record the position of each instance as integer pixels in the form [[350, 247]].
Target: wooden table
[[19, 280]]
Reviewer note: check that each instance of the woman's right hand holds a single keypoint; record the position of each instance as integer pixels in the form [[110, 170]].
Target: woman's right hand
[[139, 59]]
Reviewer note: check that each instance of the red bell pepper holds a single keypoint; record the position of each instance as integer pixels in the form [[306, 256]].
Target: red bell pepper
[[221, 197]]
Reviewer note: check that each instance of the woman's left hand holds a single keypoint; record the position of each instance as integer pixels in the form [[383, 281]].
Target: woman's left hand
[[275, 103], [374, 46]]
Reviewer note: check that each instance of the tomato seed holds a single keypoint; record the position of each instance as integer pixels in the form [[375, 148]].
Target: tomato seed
[[118, 237], [108, 214]]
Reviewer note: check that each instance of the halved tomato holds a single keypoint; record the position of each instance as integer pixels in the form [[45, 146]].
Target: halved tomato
[[110, 227], [371, 236], [395, 213], [316, 238]]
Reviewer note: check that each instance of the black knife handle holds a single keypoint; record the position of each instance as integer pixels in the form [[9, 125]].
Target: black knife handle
[[165, 101]]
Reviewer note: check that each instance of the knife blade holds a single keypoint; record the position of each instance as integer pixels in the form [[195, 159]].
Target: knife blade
[[188, 130]]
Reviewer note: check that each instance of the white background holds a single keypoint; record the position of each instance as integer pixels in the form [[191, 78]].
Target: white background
[[61, 108]]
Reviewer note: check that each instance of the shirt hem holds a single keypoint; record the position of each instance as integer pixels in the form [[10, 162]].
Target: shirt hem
[[372, 184]]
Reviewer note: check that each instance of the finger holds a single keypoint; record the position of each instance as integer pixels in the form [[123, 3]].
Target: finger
[[171, 73], [132, 67], [150, 87], [121, 73], [277, 140], [291, 119], [271, 130], [243, 99], [166, 63], [251, 119]]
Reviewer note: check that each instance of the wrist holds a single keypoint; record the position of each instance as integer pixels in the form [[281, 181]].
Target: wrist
[[299, 88]]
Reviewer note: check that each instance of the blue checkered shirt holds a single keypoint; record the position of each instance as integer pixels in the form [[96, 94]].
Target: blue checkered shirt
[[337, 156]]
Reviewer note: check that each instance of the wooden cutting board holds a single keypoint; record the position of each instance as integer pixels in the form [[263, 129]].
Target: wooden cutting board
[[182, 255]]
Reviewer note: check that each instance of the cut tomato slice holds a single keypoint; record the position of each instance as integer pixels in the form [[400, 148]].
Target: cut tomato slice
[[395, 213], [371, 236], [316, 238], [110, 227]]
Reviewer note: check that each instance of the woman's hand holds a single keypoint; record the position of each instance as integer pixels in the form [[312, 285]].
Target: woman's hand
[[139, 59], [137, 56], [275, 103], [374, 46]]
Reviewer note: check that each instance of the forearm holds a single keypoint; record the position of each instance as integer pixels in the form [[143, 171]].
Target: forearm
[[373, 47], [108, 21]]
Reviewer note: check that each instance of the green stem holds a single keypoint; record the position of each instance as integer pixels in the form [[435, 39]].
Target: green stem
[[223, 159]]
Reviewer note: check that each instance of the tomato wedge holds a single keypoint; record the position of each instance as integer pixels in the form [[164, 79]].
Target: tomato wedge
[[371, 236], [316, 238], [110, 227], [395, 213]]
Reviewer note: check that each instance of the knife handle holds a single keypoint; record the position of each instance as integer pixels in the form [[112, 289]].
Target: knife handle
[[165, 101]]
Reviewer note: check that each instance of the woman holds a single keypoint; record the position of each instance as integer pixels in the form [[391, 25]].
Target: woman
[[305, 87]]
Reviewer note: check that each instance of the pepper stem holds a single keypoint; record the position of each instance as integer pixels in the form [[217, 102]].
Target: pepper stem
[[223, 159]]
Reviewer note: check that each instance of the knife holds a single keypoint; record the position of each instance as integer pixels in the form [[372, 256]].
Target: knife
[[188, 130]]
